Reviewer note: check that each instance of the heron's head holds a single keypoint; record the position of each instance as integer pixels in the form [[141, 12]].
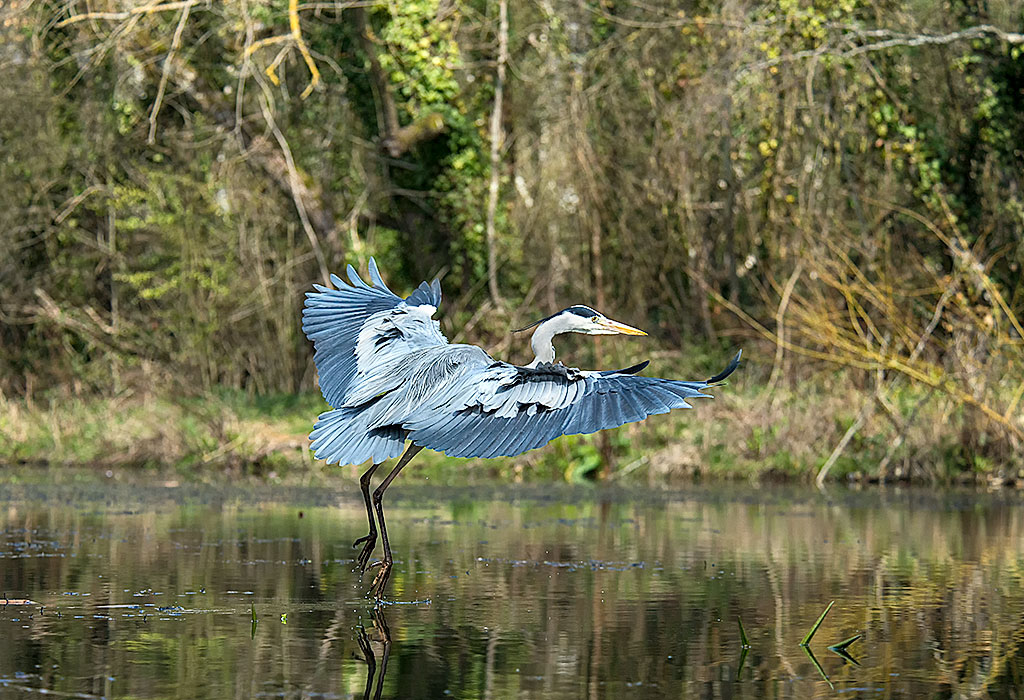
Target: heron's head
[[583, 319]]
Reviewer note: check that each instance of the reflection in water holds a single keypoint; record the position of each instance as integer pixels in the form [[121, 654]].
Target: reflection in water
[[843, 652], [814, 660], [511, 594], [839, 650], [380, 625]]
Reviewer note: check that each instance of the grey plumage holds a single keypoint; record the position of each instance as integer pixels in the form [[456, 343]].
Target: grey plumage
[[391, 375]]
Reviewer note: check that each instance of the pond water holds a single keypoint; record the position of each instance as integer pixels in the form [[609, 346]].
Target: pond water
[[510, 592]]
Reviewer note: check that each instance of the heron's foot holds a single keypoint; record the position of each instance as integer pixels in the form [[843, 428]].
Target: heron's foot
[[364, 556], [380, 582]]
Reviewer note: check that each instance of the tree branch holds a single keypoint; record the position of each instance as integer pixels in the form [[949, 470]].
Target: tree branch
[[848, 45], [296, 188], [295, 35], [149, 9], [175, 44]]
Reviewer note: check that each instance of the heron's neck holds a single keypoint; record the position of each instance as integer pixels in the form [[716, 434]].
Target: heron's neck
[[541, 341]]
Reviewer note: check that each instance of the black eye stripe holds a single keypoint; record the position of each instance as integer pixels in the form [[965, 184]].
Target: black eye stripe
[[577, 310]]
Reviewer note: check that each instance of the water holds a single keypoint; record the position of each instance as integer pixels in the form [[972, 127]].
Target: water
[[150, 592]]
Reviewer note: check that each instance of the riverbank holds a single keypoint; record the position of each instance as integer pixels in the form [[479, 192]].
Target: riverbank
[[747, 432]]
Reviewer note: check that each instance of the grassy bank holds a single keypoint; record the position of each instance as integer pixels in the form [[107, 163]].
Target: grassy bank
[[747, 432]]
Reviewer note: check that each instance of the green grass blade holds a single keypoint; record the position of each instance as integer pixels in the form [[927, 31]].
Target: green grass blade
[[841, 646], [744, 642], [810, 635], [841, 651], [844, 655]]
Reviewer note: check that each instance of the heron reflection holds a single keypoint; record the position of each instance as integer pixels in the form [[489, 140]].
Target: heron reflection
[[381, 629]]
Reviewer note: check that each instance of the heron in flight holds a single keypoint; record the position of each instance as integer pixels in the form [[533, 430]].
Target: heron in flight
[[391, 377]]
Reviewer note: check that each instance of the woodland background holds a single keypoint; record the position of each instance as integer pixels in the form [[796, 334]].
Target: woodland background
[[833, 185]]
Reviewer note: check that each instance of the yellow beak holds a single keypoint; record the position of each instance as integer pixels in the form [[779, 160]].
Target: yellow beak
[[620, 327]]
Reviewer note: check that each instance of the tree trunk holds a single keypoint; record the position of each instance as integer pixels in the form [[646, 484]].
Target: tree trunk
[[497, 140]]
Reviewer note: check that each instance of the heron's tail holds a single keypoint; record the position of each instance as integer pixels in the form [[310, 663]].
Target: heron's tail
[[343, 436]]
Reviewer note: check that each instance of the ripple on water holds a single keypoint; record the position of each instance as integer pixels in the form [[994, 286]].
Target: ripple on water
[[555, 595]]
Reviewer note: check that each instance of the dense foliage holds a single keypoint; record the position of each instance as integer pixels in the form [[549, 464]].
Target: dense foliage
[[840, 178]]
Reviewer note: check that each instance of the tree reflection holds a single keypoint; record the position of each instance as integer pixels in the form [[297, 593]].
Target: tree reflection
[[557, 599]]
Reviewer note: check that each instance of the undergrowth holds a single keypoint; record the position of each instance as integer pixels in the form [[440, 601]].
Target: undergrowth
[[746, 432]]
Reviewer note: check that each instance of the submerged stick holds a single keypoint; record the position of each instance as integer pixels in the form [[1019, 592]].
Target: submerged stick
[[810, 635]]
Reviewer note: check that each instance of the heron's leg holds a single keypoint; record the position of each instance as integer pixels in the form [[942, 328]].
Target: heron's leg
[[381, 580], [371, 538]]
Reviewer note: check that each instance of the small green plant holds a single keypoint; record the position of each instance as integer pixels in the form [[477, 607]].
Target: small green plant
[[806, 641], [743, 634], [841, 651]]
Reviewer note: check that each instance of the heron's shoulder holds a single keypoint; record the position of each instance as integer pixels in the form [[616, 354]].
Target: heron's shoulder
[[548, 371]]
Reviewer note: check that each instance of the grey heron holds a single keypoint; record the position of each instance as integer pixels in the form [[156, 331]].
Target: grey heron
[[391, 376]]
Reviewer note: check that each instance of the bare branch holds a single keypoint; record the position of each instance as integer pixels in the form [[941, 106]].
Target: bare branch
[[780, 328], [175, 44], [848, 45], [144, 10], [296, 189], [847, 354]]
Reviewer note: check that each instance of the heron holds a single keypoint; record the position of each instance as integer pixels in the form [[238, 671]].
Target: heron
[[391, 377]]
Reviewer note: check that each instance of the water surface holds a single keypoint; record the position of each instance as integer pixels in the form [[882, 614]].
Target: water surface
[[504, 592]]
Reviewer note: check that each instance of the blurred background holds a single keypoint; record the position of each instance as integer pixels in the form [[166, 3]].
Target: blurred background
[[833, 185]]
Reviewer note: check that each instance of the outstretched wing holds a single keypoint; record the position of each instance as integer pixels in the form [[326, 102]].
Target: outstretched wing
[[356, 327], [506, 410]]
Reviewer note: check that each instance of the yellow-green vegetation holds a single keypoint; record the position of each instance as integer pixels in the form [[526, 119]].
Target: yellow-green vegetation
[[746, 432], [834, 185]]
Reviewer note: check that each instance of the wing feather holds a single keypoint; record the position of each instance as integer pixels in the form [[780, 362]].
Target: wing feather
[[545, 423], [483, 438], [512, 414], [449, 426], [517, 427], [376, 279], [633, 410], [355, 326], [342, 435]]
